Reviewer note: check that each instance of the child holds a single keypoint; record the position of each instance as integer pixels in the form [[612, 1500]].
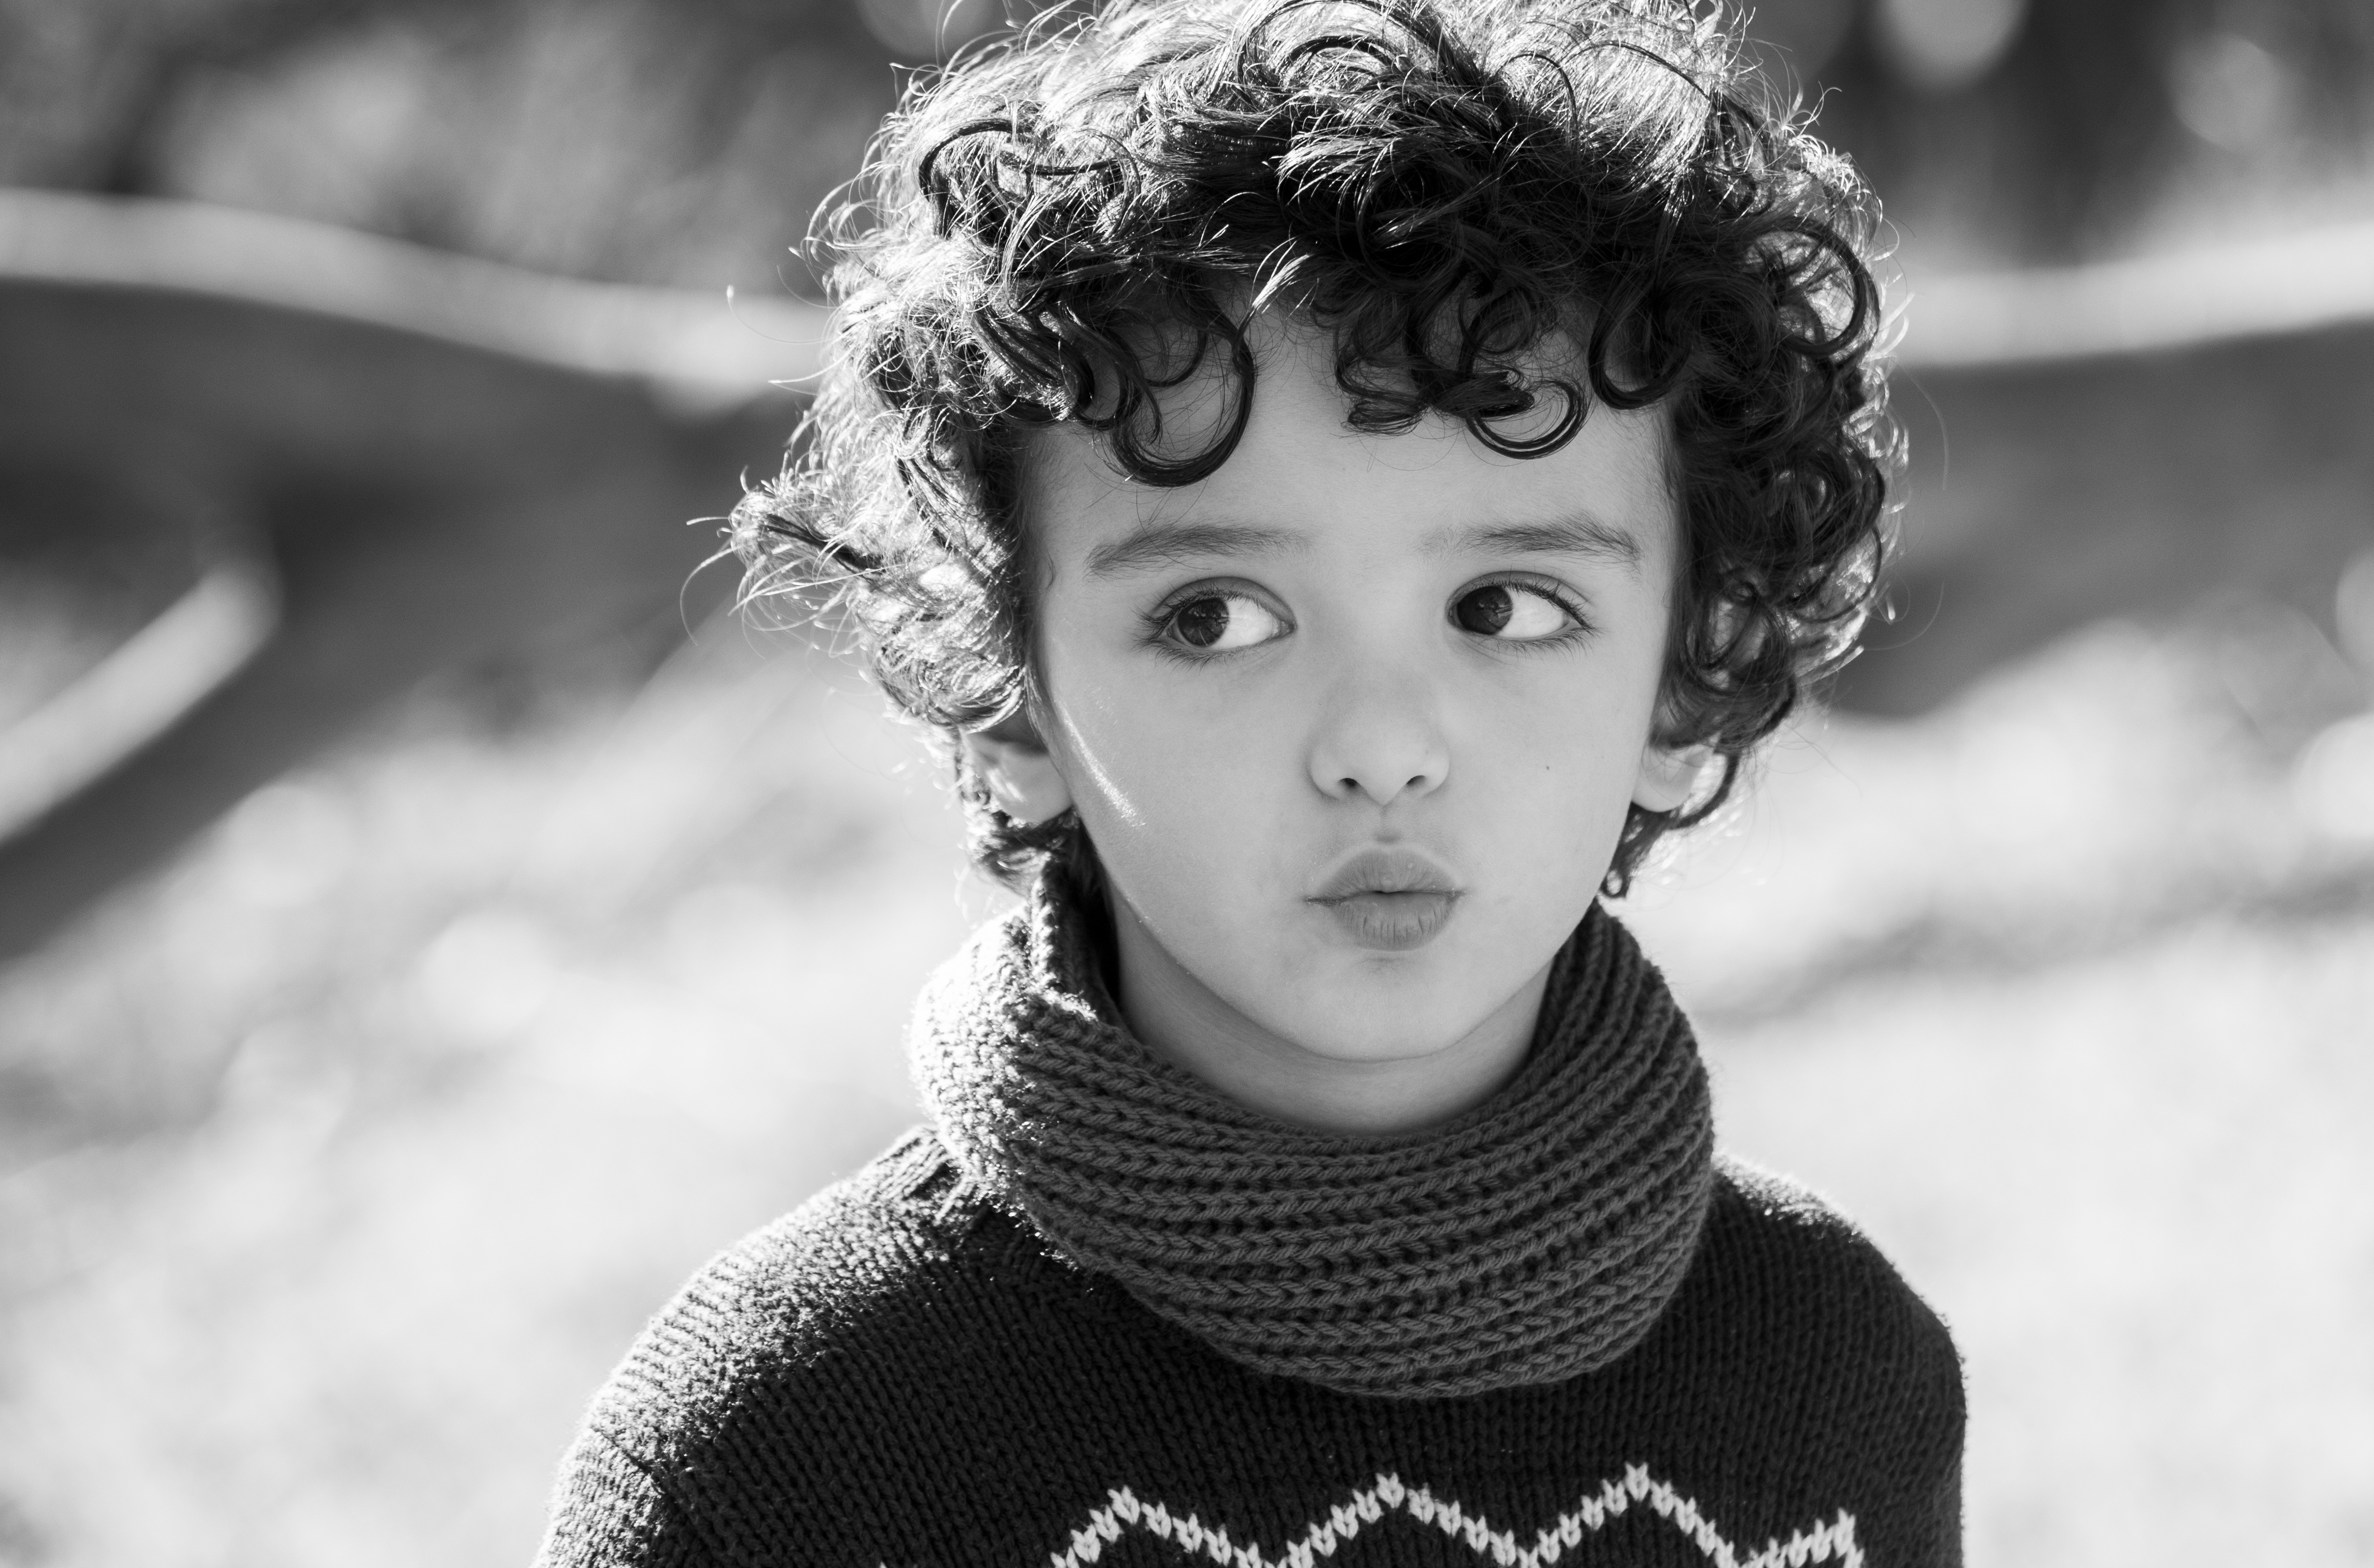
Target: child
[[1344, 478]]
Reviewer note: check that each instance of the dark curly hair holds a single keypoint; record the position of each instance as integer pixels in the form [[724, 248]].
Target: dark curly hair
[[1061, 225]]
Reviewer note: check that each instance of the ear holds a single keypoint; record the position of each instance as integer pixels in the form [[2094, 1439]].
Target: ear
[[1669, 775], [1013, 762]]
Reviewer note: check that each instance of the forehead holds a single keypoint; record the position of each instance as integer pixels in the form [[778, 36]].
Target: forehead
[[1302, 480]]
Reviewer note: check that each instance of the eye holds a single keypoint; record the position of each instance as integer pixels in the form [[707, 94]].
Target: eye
[[1510, 612], [1221, 622]]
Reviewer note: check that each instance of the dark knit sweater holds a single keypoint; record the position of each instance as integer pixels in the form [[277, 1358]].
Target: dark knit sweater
[[897, 1373], [907, 1371]]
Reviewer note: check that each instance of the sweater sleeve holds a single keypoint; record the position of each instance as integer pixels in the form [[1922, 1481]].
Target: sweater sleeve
[[1949, 1517], [1924, 1421], [607, 1512], [1937, 1407], [689, 1434], [1874, 1382]]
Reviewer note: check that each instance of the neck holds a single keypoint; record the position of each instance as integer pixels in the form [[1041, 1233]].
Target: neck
[[1195, 1028]]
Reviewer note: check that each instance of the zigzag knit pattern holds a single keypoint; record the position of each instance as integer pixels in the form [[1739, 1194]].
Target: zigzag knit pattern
[[1832, 1542]]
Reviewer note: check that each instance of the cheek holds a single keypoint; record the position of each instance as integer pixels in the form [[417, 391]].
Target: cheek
[[1554, 762], [1174, 782]]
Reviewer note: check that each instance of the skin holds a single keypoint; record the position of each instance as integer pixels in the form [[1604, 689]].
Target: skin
[[1345, 716]]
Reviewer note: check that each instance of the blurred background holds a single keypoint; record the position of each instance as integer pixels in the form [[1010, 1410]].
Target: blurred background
[[430, 927]]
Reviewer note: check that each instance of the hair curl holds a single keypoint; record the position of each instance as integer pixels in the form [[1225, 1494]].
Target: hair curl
[[1061, 225]]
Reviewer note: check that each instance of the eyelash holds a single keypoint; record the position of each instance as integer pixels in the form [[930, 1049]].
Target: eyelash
[[1554, 591], [1159, 620], [1164, 616]]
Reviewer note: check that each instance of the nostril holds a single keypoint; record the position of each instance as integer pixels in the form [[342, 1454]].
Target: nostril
[[1377, 761]]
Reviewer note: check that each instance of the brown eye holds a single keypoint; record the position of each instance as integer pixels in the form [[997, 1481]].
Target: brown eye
[[1510, 612]]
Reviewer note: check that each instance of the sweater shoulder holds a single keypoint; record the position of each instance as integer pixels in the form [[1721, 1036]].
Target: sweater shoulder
[[848, 1274], [1778, 1256], [1795, 1241]]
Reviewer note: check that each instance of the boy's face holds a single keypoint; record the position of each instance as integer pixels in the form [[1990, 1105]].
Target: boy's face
[[1354, 723]]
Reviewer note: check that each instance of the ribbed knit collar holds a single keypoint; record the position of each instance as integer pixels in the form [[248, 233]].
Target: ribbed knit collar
[[1536, 1236]]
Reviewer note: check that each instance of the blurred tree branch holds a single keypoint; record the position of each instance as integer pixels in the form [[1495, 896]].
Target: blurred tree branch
[[2019, 129]]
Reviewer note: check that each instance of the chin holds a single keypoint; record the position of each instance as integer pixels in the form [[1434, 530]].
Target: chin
[[1352, 1021]]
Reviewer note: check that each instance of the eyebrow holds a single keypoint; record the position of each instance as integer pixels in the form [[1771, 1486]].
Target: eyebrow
[[1581, 535], [1167, 544]]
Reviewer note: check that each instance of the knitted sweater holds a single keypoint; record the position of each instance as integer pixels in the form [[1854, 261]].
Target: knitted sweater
[[909, 1369]]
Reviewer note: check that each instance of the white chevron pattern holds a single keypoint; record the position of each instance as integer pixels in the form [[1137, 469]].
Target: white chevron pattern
[[1833, 1542]]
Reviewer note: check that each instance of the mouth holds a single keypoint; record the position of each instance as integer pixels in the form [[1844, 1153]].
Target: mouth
[[1388, 899]]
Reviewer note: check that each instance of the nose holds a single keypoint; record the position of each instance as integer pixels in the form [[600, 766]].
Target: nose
[[1378, 737]]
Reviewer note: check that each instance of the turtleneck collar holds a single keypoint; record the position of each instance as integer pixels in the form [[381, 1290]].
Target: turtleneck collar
[[1534, 1237]]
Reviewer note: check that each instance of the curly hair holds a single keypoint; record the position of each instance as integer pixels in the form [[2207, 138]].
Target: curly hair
[[1067, 222]]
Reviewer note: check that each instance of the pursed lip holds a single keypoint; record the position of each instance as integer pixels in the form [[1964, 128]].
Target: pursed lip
[[1385, 868], [1389, 898]]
